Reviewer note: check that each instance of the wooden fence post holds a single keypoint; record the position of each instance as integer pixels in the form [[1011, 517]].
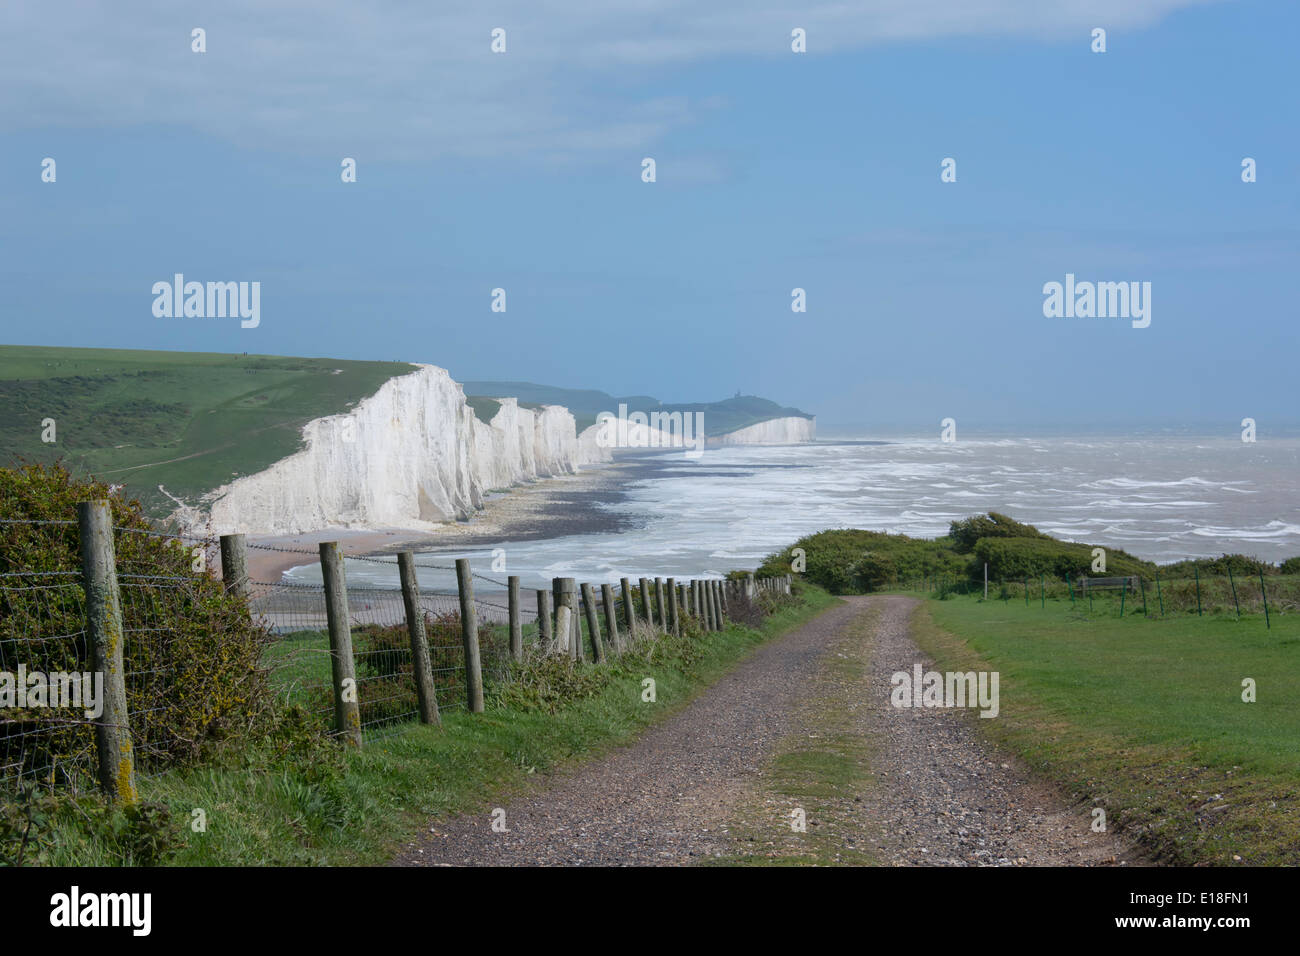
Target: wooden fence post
[[563, 622], [557, 599], [516, 623], [469, 634], [718, 614], [674, 614], [113, 745], [421, 666], [570, 595], [544, 618], [611, 619], [660, 605], [593, 624], [234, 564], [707, 603], [347, 708], [645, 602], [629, 608]]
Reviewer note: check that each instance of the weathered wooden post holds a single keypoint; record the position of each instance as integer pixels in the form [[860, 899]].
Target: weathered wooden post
[[113, 745], [469, 635], [674, 619], [557, 599], [234, 565], [723, 586], [751, 588], [645, 602], [707, 604], [570, 593], [544, 618], [564, 622], [563, 589], [343, 669], [421, 666], [629, 607], [718, 615], [593, 624], [611, 619], [661, 609], [516, 622]]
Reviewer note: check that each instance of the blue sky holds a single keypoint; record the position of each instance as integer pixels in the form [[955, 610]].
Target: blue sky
[[775, 170]]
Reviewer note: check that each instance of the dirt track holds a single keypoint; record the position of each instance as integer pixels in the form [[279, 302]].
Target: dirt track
[[940, 795]]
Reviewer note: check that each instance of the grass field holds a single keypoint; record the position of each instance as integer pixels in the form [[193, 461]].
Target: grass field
[[1144, 717], [186, 420], [359, 807]]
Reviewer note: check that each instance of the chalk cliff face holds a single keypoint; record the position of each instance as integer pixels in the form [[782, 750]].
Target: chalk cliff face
[[412, 455], [775, 431]]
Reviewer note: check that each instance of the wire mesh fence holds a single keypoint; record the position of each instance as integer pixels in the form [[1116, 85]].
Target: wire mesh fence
[[179, 624], [41, 744], [298, 654], [1238, 595]]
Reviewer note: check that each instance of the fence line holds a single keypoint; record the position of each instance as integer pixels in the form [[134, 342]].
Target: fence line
[[364, 660], [1130, 594]]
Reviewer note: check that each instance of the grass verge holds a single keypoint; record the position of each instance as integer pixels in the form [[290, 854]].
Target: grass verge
[[1146, 718], [299, 806]]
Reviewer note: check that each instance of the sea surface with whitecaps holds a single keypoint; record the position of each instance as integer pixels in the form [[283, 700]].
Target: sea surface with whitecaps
[[1159, 497]]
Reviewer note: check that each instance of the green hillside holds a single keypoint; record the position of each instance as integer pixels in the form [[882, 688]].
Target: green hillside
[[185, 420], [719, 417]]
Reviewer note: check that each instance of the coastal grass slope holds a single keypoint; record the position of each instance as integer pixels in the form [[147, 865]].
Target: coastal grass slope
[[186, 420]]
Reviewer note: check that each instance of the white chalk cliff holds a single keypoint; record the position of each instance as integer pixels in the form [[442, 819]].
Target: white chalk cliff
[[774, 431], [413, 455]]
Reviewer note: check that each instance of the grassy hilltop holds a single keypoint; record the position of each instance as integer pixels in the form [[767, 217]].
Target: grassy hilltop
[[187, 420]]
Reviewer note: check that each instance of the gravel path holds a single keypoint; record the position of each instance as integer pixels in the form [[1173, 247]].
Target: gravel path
[[943, 795]]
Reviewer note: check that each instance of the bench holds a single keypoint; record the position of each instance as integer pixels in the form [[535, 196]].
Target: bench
[[1102, 584]]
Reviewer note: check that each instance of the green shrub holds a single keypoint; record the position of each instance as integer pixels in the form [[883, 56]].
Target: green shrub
[[1241, 565], [191, 651], [875, 571], [849, 561], [1015, 558], [965, 533], [1289, 566]]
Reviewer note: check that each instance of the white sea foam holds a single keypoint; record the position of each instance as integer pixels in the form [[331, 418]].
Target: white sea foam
[[1163, 499]]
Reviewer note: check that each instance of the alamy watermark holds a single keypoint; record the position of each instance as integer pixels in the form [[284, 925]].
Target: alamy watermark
[[653, 430], [1099, 300], [953, 689], [212, 300], [60, 689]]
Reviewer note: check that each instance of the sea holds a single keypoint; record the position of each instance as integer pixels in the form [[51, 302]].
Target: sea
[[1160, 497]]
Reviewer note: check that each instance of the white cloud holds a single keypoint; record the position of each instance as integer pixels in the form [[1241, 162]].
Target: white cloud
[[415, 78]]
